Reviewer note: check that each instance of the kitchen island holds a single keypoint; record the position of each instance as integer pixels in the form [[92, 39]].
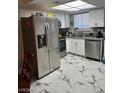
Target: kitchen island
[[79, 46]]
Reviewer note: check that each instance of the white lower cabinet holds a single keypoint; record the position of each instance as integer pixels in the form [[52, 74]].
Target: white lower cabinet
[[76, 46], [80, 47], [70, 45]]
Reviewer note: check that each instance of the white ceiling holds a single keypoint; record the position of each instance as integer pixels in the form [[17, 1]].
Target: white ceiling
[[45, 5]]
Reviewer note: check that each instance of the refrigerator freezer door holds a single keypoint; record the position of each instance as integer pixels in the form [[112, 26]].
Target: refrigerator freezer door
[[54, 59], [53, 32], [42, 53]]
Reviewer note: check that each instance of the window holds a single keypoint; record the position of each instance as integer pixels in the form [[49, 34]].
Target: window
[[81, 20]]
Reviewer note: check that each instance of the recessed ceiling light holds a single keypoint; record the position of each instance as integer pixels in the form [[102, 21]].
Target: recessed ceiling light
[[76, 3]]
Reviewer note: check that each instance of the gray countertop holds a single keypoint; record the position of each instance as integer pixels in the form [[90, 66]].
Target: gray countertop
[[86, 38]]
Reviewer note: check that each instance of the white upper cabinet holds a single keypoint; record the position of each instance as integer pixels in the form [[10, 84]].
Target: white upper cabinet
[[67, 20], [64, 18], [97, 18]]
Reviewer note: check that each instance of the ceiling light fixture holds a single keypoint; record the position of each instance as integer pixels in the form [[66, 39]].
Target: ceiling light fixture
[[86, 6], [61, 7], [74, 6], [76, 3]]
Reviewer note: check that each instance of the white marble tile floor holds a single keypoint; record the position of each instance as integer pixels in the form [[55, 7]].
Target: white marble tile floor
[[75, 75]]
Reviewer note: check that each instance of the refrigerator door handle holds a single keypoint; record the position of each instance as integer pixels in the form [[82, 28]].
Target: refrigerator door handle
[[48, 27], [48, 31], [46, 35]]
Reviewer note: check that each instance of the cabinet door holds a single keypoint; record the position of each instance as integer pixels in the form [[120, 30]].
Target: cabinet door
[[100, 17], [75, 46], [72, 46], [61, 17], [81, 47], [92, 18], [67, 20], [64, 18], [67, 45], [97, 18]]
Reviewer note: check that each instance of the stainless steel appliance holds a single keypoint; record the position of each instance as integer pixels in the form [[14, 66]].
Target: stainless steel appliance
[[62, 39], [41, 37], [62, 45], [93, 48]]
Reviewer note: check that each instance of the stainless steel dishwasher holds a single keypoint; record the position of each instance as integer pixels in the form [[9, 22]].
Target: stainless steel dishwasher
[[93, 49]]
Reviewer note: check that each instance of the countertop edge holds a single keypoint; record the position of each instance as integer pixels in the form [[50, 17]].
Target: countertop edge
[[85, 38]]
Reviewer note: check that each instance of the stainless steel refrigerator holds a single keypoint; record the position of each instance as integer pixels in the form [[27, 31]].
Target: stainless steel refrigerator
[[41, 37]]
